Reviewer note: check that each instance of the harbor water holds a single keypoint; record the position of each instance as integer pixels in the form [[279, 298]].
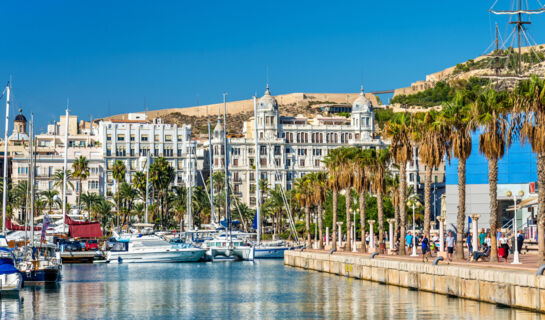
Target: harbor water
[[241, 290]]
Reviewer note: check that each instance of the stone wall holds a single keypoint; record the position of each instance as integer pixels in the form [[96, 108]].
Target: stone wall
[[519, 289]]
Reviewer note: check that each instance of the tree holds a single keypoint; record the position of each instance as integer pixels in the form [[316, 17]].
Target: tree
[[303, 195], [433, 143], [118, 173], [398, 129], [58, 181], [128, 194], [103, 210], [490, 113], [392, 188], [20, 194], [379, 170], [80, 171], [163, 176], [346, 181], [275, 205], [318, 187], [89, 199], [49, 197], [529, 101], [332, 162], [457, 115], [362, 177]]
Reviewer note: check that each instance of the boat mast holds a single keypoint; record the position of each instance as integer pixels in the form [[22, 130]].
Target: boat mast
[[189, 188], [5, 186], [226, 163], [147, 185], [32, 178], [257, 191], [210, 165], [65, 169]]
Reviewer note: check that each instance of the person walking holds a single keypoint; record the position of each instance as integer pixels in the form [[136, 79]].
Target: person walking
[[503, 251], [482, 237], [469, 242], [425, 248], [409, 240], [450, 246], [520, 241]]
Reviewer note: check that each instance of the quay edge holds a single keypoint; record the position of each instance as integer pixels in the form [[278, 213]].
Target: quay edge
[[517, 289]]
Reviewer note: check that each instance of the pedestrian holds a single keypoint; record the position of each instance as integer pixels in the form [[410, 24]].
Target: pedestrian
[[450, 246], [425, 248], [487, 240], [409, 240], [503, 251], [469, 242], [482, 237], [520, 241]]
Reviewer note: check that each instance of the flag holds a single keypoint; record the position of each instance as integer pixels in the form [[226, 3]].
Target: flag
[[254, 223], [45, 225]]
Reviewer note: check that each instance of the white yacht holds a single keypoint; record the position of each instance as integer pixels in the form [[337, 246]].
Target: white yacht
[[272, 249], [225, 247], [151, 249], [11, 279]]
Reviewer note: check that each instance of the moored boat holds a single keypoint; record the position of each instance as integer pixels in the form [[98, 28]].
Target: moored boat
[[224, 247], [11, 279], [152, 249], [272, 249]]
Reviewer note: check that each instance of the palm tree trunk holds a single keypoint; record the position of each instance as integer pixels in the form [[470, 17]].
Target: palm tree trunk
[[380, 216], [460, 223], [307, 225], [362, 222], [118, 208], [402, 206], [79, 195], [427, 201], [348, 221], [320, 227], [541, 208], [334, 223], [396, 217], [493, 190]]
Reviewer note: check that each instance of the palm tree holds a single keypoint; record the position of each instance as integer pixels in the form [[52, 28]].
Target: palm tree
[[163, 175], [457, 115], [118, 173], [128, 194], [379, 170], [50, 197], [346, 181], [303, 195], [398, 129], [433, 143], [20, 195], [332, 162], [89, 199], [362, 172], [530, 104], [103, 210], [80, 171], [58, 181], [490, 113], [275, 205], [318, 188], [392, 188]]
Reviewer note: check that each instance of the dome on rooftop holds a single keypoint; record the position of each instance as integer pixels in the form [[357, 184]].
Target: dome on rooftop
[[20, 116], [267, 101], [362, 104]]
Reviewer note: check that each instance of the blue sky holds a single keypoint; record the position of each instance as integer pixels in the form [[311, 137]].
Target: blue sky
[[113, 57]]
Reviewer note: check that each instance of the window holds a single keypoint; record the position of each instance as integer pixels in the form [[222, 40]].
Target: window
[[302, 162], [156, 139], [156, 152], [288, 162], [316, 163], [235, 162], [252, 176], [262, 150], [132, 152], [120, 137], [167, 152], [144, 137], [251, 161], [93, 171], [168, 137], [108, 152], [277, 162], [120, 152], [302, 152], [132, 137], [109, 137], [277, 150], [93, 185], [316, 152], [263, 161]]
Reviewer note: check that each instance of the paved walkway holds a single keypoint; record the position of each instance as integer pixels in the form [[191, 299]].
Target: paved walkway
[[528, 261]]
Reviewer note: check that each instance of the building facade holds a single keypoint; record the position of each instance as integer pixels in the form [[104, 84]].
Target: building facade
[[289, 147]]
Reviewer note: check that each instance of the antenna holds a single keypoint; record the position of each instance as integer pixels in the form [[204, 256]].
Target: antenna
[[267, 75]]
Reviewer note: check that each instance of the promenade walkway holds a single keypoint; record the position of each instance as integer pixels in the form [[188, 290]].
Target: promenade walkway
[[528, 261]]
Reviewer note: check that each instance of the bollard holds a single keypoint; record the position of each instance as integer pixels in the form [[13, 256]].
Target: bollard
[[436, 260], [331, 251], [374, 254], [540, 270]]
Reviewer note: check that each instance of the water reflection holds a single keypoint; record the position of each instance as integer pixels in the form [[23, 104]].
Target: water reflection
[[259, 290]]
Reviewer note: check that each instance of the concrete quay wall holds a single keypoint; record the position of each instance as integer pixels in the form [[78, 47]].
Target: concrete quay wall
[[519, 289]]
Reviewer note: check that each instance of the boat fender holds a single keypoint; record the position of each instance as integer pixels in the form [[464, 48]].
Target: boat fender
[[119, 260], [540, 270], [374, 254]]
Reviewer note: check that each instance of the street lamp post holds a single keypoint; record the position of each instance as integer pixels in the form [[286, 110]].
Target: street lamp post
[[414, 235], [315, 231], [515, 231], [354, 233]]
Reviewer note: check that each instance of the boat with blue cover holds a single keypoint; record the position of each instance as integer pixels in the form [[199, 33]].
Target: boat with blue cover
[[11, 279]]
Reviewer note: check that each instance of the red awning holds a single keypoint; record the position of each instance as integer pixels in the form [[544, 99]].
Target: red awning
[[83, 229], [14, 227]]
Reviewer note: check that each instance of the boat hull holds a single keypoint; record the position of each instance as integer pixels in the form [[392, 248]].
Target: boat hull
[[192, 255], [271, 252], [238, 253], [43, 275], [11, 282]]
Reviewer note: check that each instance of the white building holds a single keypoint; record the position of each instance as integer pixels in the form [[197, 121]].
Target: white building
[[132, 141], [289, 147]]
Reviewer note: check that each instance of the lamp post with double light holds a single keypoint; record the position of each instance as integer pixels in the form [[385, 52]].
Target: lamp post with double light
[[515, 231]]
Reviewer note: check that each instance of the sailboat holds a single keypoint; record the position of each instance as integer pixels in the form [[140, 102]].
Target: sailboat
[[227, 246], [39, 263], [264, 249]]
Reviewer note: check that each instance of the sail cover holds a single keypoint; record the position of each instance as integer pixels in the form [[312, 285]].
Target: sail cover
[[83, 229]]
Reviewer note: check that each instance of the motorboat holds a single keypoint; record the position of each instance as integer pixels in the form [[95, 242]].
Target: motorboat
[[272, 249], [11, 279], [151, 249], [227, 247]]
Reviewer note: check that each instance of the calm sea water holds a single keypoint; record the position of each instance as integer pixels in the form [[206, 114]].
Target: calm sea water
[[240, 290]]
